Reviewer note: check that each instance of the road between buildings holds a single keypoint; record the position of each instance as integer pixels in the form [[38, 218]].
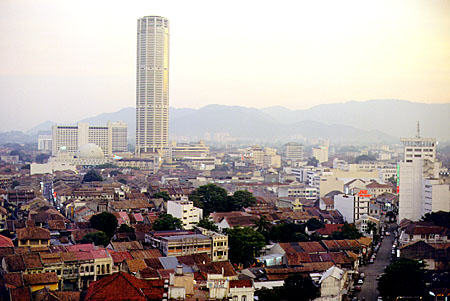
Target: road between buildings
[[369, 290]]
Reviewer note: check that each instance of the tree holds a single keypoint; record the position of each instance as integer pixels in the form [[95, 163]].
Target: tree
[[207, 224], [211, 198], [364, 158], [98, 238], [41, 158], [440, 218], [405, 277], [314, 224], [300, 283], [124, 228], [167, 222], [242, 199], [288, 232], [105, 222], [162, 195], [123, 181], [372, 228], [296, 287], [393, 181], [312, 162], [245, 244], [92, 176], [347, 231]]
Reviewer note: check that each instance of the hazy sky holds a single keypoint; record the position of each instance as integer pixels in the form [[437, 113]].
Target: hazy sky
[[66, 60]]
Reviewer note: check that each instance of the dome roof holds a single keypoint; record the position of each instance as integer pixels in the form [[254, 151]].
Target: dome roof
[[90, 151]]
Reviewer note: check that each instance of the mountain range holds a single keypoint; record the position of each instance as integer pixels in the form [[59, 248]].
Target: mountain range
[[380, 121]]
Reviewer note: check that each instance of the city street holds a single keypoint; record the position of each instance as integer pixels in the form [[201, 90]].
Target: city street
[[369, 288]]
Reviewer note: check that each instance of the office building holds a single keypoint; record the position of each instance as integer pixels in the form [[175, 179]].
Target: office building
[[111, 138], [152, 85], [293, 151], [419, 164], [320, 153], [180, 151], [45, 143]]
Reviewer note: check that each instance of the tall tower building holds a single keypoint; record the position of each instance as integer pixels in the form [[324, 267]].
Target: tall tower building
[[419, 164], [152, 84]]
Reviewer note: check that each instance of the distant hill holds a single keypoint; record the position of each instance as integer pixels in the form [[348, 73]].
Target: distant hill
[[374, 121], [394, 117]]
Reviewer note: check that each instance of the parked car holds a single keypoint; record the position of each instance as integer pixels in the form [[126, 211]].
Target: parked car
[[371, 260], [357, 288], [360, 281], [379, 298]]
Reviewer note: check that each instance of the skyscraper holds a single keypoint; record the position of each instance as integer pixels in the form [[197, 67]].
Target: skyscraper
[[152, 84]]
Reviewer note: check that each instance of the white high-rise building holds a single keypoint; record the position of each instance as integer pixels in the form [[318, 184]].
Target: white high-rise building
[[152, 84], [419, 163], [111, 138]]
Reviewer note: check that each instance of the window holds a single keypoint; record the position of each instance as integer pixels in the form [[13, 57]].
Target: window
[[244, 298]]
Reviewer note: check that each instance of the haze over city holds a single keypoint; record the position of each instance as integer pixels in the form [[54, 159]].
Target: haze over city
[[65, 61]]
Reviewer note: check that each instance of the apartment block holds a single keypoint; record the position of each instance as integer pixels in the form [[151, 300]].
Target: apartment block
[[293, 151], [352, 207], [186, 212]]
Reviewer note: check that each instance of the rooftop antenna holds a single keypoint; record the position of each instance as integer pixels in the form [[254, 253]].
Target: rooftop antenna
[[418, 129]]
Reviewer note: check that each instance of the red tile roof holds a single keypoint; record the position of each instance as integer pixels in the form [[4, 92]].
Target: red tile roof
[[5, 242], [33, 233], [241, 283], [123, 286], [329, 229], [41, 278]]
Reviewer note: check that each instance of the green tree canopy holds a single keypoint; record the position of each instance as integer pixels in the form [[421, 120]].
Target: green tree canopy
[[123, 181], [297, 287], [314, 224], [405, 277], [242, 199], [161, 195], [312, 162], [167, 222], [211, 198], [98, 238], [124, 228], [92, 176], [347, 231], [245, 244], [288, 232], [364, 158], [41, 158], [105, 222], [440, 218], [207, 224]]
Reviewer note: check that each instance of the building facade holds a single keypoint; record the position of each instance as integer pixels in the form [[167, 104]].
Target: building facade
[[111, 138], [152, 84], [186, 212]]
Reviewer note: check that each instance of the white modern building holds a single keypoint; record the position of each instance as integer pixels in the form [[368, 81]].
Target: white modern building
[[352, 207], [152, 85], [320, 153], [45, 143], [436, 194], [111, 138], [186, 212], [419, 163]]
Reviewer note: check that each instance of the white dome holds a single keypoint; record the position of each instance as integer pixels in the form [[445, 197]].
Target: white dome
[[90, 151]]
